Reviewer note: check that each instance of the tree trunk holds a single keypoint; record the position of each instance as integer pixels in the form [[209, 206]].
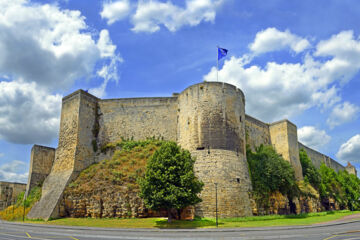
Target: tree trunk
[[169, 215]]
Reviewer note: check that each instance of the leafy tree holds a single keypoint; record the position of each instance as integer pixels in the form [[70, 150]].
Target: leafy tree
[[311, 174], [351, 189], [270, 172], [169, 180], [330, 187]]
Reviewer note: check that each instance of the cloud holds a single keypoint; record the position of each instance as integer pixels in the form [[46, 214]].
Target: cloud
[[115, 11], [45, 49], [150, 15], [47, 45], [28, 114], [342, 113], [344, 49], [350, 150], [1, 155], [284, 90], [15, 171], [272, 39], [107, 72], [313, 137]]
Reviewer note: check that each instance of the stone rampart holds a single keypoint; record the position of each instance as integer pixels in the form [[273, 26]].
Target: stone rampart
[[284, 139], [257, 132], [319, 158], [74, 153], [9, 192], [137, 118], [41, 162]]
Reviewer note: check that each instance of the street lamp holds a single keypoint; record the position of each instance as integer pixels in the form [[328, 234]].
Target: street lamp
[[216, 211]]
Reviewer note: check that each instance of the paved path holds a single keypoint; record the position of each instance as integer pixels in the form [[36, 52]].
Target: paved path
[[348, 229]]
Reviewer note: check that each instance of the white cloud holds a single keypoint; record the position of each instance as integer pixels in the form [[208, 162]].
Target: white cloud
[[342, 113], [350, 150], [105, 45], [1, 155], [47, 45], [272, 39], [283, 90], [313, 137], [44, 49], [150, 15], [115, 11], [345, 52], [107, 72], [15, 171], [28, 114]]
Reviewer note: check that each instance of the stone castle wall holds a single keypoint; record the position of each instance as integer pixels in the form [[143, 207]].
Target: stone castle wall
[[74, 153], [257, 132], [137, 118], [319, 158], [9, 192], [208, 119], [41, 162]]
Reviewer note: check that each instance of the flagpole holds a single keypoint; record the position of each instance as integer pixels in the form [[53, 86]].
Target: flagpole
[[217, 64], [217, 70]]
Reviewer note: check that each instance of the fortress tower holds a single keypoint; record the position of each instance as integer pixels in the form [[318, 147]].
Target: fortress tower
[[211, 125]]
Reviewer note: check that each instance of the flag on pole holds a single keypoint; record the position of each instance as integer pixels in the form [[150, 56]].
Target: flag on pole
[[222, 52]]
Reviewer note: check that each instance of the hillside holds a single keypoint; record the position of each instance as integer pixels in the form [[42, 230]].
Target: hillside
[[109, 188]]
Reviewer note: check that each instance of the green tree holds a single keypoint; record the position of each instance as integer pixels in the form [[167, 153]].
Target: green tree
[[330, 187], [169, 180], [270, 172], [351, 189], [310, 173]]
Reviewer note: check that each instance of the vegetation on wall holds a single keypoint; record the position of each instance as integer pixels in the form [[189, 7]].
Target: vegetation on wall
[[342, 187], [310, 173], [16, 211], [270, 173], [169, 180], [120, 173]]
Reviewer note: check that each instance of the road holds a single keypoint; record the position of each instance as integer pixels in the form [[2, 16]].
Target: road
[[334, 231]]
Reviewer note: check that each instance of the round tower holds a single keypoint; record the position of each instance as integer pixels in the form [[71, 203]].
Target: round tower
[[211, 125]]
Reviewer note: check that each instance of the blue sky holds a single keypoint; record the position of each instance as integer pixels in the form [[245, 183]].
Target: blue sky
[[293, 59]]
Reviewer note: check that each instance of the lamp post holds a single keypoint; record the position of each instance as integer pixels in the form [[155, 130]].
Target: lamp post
[[216, 205]]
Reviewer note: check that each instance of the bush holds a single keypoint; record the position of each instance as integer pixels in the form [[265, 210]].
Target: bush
[[270, 172]]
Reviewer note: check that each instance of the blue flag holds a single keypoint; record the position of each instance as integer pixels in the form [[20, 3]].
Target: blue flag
[[221, 52]]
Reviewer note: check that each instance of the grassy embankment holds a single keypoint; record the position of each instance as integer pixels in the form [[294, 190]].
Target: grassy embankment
[[118, 174], [258, 221]]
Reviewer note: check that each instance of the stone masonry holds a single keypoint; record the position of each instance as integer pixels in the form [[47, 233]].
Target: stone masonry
[[9, 192], [208, 119]]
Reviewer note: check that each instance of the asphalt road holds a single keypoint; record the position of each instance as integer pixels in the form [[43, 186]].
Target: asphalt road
[[333, 231]]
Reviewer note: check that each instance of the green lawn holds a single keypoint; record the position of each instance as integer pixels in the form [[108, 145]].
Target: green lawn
[[260, 221]]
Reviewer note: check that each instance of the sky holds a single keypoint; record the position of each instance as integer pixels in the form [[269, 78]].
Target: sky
[[298, 60]]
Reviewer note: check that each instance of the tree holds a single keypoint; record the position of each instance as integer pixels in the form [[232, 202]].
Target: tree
[[169, 180], [270, 172], [311, 174]]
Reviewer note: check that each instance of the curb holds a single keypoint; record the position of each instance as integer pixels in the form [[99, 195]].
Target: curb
[[254, 229]]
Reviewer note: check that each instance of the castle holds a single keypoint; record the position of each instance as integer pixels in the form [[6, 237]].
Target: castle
[[208, 119]]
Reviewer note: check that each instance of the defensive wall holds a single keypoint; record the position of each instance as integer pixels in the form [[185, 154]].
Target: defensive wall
[[208, 119], [9, 192]]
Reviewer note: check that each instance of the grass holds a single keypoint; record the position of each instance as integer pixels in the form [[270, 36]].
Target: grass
[[118, 174], [258, 221]]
